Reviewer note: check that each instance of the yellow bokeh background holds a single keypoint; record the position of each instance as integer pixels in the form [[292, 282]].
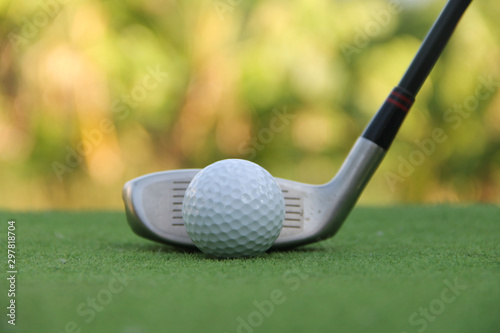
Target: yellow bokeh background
[[96, 93]]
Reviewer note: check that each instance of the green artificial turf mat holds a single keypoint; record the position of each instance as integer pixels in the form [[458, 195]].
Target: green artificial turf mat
[[397, 269]]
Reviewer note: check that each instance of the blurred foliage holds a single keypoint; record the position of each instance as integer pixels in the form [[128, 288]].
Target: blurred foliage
[[287, 84]]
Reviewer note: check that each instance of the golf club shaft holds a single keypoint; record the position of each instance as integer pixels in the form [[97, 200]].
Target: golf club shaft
[[386, 123]]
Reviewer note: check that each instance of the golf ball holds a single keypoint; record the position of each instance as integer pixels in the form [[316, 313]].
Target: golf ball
[[233, 208]]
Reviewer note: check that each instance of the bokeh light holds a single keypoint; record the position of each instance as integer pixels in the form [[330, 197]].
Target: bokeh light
[[96, 93]]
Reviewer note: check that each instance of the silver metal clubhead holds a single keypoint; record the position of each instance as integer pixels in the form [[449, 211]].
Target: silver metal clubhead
[[153, 202]]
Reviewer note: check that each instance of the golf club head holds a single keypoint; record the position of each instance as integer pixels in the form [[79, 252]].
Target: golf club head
[[153, 202]]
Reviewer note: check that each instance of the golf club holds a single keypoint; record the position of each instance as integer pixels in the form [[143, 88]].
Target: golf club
[[153, 202]]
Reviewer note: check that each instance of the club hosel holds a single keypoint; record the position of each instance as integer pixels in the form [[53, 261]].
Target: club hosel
[[365, 156], [349, 182]]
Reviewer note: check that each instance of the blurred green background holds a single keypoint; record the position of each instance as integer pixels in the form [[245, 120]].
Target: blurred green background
[[94, 93]]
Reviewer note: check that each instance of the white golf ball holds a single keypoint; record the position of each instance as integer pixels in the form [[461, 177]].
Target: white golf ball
[[233, 208]]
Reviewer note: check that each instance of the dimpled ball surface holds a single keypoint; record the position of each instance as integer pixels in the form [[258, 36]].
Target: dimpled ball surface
[[233, 208]]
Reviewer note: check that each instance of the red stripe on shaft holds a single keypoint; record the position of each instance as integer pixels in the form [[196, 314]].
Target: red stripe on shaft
[[399, 105], [403, 97]]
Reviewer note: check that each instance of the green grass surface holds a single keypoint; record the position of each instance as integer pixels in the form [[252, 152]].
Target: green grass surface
[[382, 269]]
